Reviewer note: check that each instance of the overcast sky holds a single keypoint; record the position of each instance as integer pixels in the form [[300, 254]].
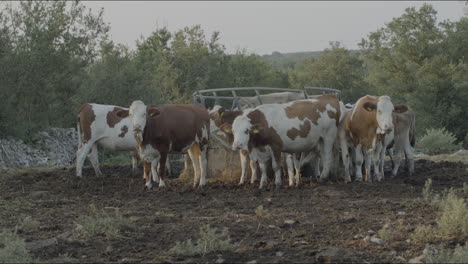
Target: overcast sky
[[263, 27]]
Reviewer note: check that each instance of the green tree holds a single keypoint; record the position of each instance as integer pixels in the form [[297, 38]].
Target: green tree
[[51, 44], [417, 61], [336, 67]]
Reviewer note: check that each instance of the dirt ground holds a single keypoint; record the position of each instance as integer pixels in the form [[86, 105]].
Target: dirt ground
[[315, 223]]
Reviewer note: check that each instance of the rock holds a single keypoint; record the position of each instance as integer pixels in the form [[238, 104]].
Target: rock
[[402, 213], [377, 241], [220, 260], [358, 236], [419, 259], [272, 226], [290, 222], [109, 249], [330, 255], [367, 238], [279, 254]]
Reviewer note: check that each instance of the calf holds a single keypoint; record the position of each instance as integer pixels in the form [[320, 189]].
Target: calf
[[363, 130], [402, 139], [295, 127], [171, 128]]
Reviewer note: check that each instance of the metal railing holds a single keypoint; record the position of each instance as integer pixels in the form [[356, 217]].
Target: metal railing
[[200, 97]]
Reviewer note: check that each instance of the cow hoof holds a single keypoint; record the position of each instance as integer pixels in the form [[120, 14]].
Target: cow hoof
[[358, 180]]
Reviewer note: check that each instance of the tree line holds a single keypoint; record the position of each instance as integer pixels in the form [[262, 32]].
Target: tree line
[[55, 56]]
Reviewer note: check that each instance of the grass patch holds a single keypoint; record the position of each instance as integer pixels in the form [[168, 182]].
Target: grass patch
[[13, 248], [110, 226], [211, 240], [422, 234], [385, 232], [458, 255]]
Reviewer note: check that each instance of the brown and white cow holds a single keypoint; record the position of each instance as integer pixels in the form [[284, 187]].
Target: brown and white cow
[[297, 127], [108, 126], [363, 130], [171, 128]]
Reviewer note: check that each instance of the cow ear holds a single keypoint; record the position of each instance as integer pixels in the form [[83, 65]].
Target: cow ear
[[369, 106], [122, 113], [153, 111], [401, 108], [227, 128], [221, 111]]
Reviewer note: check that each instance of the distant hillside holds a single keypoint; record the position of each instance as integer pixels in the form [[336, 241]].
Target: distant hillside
[[288, 60]]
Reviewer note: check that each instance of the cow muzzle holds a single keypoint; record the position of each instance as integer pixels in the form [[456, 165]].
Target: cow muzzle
[[238, 146]]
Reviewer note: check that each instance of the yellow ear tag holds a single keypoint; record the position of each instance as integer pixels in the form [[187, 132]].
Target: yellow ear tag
[[222, 114], [227, 130], [255, 131], [152, 114]]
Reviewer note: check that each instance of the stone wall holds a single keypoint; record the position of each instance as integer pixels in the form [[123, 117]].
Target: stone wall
[[56, 146]]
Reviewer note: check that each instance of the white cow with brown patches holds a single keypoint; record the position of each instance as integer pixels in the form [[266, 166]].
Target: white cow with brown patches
[[108, 126], [295, 127]]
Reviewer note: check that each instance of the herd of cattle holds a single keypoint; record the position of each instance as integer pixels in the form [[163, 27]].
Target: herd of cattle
[[300, 132]]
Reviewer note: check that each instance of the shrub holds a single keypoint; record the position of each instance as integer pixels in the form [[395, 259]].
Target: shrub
[[437, 141], [109, 226], [458, 255], [13, 248], [422, 234], [454, 217], [211, 240]]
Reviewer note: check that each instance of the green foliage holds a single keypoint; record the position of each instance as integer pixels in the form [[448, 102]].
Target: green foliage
[[288, 60], [336, 68], [419, 62], [454, 217], [13, 248], [211, 240], [437, 141], [28, 224], [458, 255]]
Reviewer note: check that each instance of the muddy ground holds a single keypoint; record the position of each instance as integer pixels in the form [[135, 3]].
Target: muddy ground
[[327, 223]]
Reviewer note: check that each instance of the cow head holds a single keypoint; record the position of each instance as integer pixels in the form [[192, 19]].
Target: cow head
[[242, 129], [138, 115], [216, 114], [384, 110]]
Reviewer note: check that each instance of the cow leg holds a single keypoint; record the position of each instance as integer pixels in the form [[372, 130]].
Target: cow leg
[[345, 155], [253, 170], [358, 155], [376, 162], [382, 162], [367, 163], [154, 170], [203, 165], [194, 152], [276, 165], [93, 157], [243, 157], [134, 163], [162, 168], [81, 154], [168, 167], [290, 167], [409, 151], [398, 155], [263, 169], [146, 172], [327, 158]]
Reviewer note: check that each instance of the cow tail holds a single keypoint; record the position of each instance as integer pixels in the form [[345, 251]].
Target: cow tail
[[413, 131]]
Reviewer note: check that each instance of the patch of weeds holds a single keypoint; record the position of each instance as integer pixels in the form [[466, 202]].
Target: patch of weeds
[[422, 234], [211, 240], [261, 212], [13, 248], [28, 224], [458, 255], [427, 190], [104, 224], [454, 217], [385, 232], [438, 141]]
